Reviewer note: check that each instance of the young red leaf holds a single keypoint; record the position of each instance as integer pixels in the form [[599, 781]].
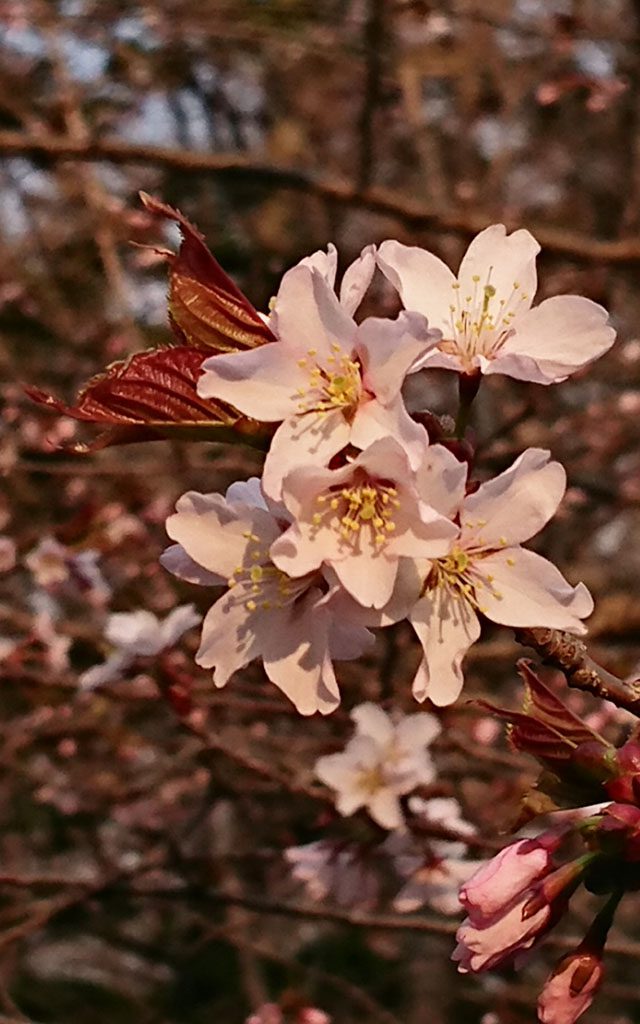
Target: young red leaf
[[206, 308], [148, 396], [543, 704]]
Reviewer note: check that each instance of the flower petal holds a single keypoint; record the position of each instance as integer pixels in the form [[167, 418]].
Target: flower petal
[[296, 658], [229, 641], [303, 441], [516, 504], [307, 314], [326, 263], [441, 480], [415, 732], [216, 535], [524, 589], [503, 261], [425, 283], [389, 348], [561, 335], [176, 560], [384, 808], [262, 383], [372, 721], [374, 421], [446, 627], [357, 279]]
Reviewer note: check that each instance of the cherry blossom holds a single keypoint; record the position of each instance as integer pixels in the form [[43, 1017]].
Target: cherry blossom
[[360, 519], [328, 381], [433, 874], [571, 987], [295, 626], [485, 313], [486, 570], [380, 763], [138, 634]]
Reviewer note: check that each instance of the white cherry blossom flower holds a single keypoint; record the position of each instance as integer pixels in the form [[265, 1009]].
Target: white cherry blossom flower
[[486, 570], [485, 313], [328, 381], [295, 626], [360, 520], [380, 763], [139, 634]]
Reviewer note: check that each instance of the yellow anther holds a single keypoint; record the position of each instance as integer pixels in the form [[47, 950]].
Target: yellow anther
[[511, 561], [251, 605]]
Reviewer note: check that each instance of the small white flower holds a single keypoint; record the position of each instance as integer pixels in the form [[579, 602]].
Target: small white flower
[[138, 634], [381, 763]]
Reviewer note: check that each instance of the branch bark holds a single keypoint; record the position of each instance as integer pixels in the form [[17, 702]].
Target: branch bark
[[570, 655], [412, 213]]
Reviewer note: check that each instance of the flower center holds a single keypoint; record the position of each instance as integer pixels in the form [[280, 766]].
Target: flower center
[[455, 572], [481, 322], [263, 586], [336, 385], [369, 505]]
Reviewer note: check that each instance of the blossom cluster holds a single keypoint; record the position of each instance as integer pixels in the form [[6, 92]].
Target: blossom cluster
[[360, 518]]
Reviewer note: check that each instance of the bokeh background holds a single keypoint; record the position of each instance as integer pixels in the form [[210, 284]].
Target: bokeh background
[[142, 876]]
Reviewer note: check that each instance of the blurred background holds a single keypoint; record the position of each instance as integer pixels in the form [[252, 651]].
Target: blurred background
[[142, 876]]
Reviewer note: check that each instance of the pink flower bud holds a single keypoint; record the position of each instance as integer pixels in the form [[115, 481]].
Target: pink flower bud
[[485, 945], [570, 988], [507, 874]]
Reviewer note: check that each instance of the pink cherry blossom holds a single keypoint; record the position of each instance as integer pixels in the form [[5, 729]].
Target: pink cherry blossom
[[360, 520], [485, 312], [327, 380], [295, 626], [486, 570], [570, 989], [381, 762]]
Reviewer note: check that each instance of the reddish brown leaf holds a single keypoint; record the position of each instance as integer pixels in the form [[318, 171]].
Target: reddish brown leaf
[[206, 308], [543, 704], [148, 396]]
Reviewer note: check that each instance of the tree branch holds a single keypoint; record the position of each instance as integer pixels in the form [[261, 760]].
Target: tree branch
[[409, 211], [570, 655]]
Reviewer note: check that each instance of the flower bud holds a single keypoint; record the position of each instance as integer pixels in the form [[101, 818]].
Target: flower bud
[[570, 988]]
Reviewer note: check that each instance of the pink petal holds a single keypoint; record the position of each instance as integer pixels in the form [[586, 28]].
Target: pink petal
[[523, 589], [446, 627], [372, 721], [368, 576], [501, 260], [357, 279], [384, 808], [228, 640], [425, 283], [307, 314], [441, 480], [516, 504], [301, 441], [216, 535], [389, 348], [294, 650], [176, 560], [417, 731], [482, 948], [326, 263], [562, 1001], [374, 421], [561, 335], [500, 880], [262, 383]]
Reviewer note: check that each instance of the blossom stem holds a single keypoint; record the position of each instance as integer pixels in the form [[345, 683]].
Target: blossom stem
[[468, 387]]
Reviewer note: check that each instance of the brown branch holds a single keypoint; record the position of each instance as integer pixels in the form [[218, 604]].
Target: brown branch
[[410, 212], [570, 655]]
